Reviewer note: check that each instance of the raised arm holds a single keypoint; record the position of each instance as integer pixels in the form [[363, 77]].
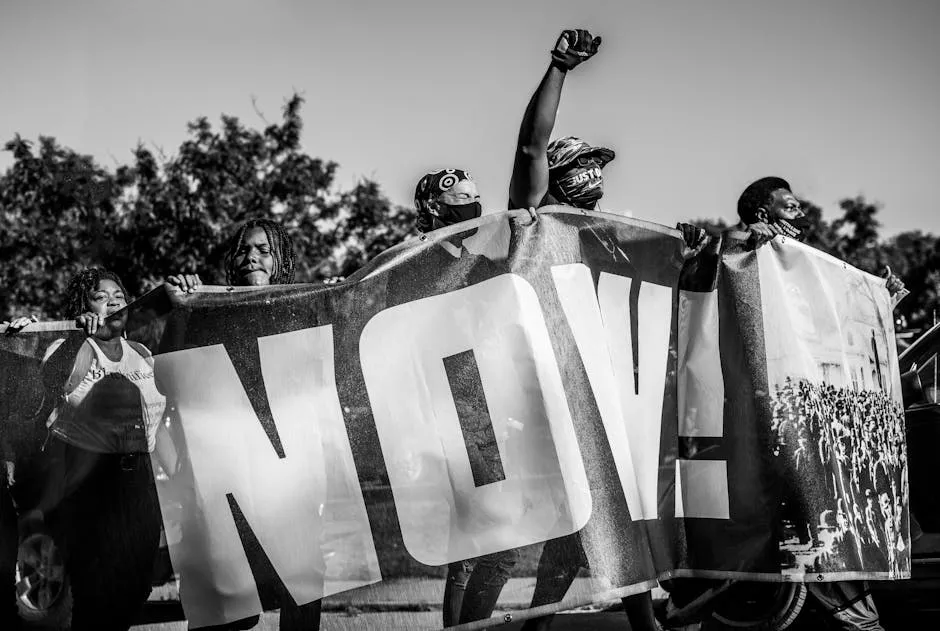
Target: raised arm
[[529, 182]]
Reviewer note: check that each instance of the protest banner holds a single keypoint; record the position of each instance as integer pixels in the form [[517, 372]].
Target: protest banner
[[534, 392]]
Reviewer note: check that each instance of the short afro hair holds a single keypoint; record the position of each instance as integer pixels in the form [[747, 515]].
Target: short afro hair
[[757, 194]]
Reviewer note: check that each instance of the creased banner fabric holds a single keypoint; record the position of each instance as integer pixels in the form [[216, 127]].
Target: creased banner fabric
[[558, 405]]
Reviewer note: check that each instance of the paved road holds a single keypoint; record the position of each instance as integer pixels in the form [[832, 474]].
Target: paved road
[[615, 621], [354, 612], [602, 621]]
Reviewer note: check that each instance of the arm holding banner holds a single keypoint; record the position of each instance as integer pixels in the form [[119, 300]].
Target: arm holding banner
[[6, 464], [529, 183], [186, 283], [166, 452], [694, 239], [895, 287], [18, 324]]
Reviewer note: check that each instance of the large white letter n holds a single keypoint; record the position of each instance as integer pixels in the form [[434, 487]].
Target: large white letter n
[[282, 499]]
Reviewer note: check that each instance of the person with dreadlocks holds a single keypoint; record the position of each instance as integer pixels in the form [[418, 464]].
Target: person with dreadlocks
[[99, 499], [261, 254]]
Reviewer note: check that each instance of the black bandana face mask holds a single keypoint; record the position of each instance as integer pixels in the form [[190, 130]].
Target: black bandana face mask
[[583, 188], [793, 229], [449, 214]]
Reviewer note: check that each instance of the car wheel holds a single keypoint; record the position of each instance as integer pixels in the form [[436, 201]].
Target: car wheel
[[758, 607], [43, 595]]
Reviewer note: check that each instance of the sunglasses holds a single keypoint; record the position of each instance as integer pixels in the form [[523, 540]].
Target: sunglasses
[[587, 161]]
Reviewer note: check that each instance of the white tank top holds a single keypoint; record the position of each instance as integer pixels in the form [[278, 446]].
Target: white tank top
[[67, 422]]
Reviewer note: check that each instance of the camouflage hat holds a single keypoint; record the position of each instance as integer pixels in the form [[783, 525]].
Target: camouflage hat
[[564, 151]]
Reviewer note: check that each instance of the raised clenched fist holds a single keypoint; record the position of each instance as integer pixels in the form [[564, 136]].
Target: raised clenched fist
[[574, 46]]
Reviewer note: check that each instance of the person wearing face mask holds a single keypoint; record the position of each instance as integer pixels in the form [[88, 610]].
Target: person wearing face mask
[[574, 172], [444, 198], [567, 171], [768, 208]]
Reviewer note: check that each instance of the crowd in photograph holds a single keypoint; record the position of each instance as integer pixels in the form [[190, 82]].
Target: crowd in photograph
[[844, 466]]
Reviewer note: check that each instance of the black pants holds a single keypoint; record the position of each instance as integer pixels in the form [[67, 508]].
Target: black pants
[[107, 519], [9, 619], [848, 603], [561, 560], [292, 618], [473, 586]]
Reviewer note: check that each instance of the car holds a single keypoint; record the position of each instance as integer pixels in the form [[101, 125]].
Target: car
[[919, 371]]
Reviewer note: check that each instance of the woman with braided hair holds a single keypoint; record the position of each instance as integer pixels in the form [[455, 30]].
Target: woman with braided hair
[[261, 254]]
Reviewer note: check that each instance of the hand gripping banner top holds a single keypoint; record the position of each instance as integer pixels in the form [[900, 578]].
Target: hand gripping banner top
[[513, 400]]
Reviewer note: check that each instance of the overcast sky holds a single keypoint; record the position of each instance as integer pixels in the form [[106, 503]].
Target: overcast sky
[[697, 97]]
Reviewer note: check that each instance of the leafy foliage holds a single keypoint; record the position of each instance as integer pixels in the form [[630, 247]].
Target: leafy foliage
[[914, 256], [160, 215], [59, 214], [163, 215]]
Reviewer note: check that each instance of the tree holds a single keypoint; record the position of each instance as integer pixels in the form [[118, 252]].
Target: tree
[[58, 212], [163, 215], [185, 210], [914, 256], [369, 225]]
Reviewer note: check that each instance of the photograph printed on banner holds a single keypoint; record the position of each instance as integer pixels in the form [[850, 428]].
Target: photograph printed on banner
[[838, 420]]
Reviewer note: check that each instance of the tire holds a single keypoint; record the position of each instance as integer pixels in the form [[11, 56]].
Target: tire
[[43, 593], [758, 607]]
